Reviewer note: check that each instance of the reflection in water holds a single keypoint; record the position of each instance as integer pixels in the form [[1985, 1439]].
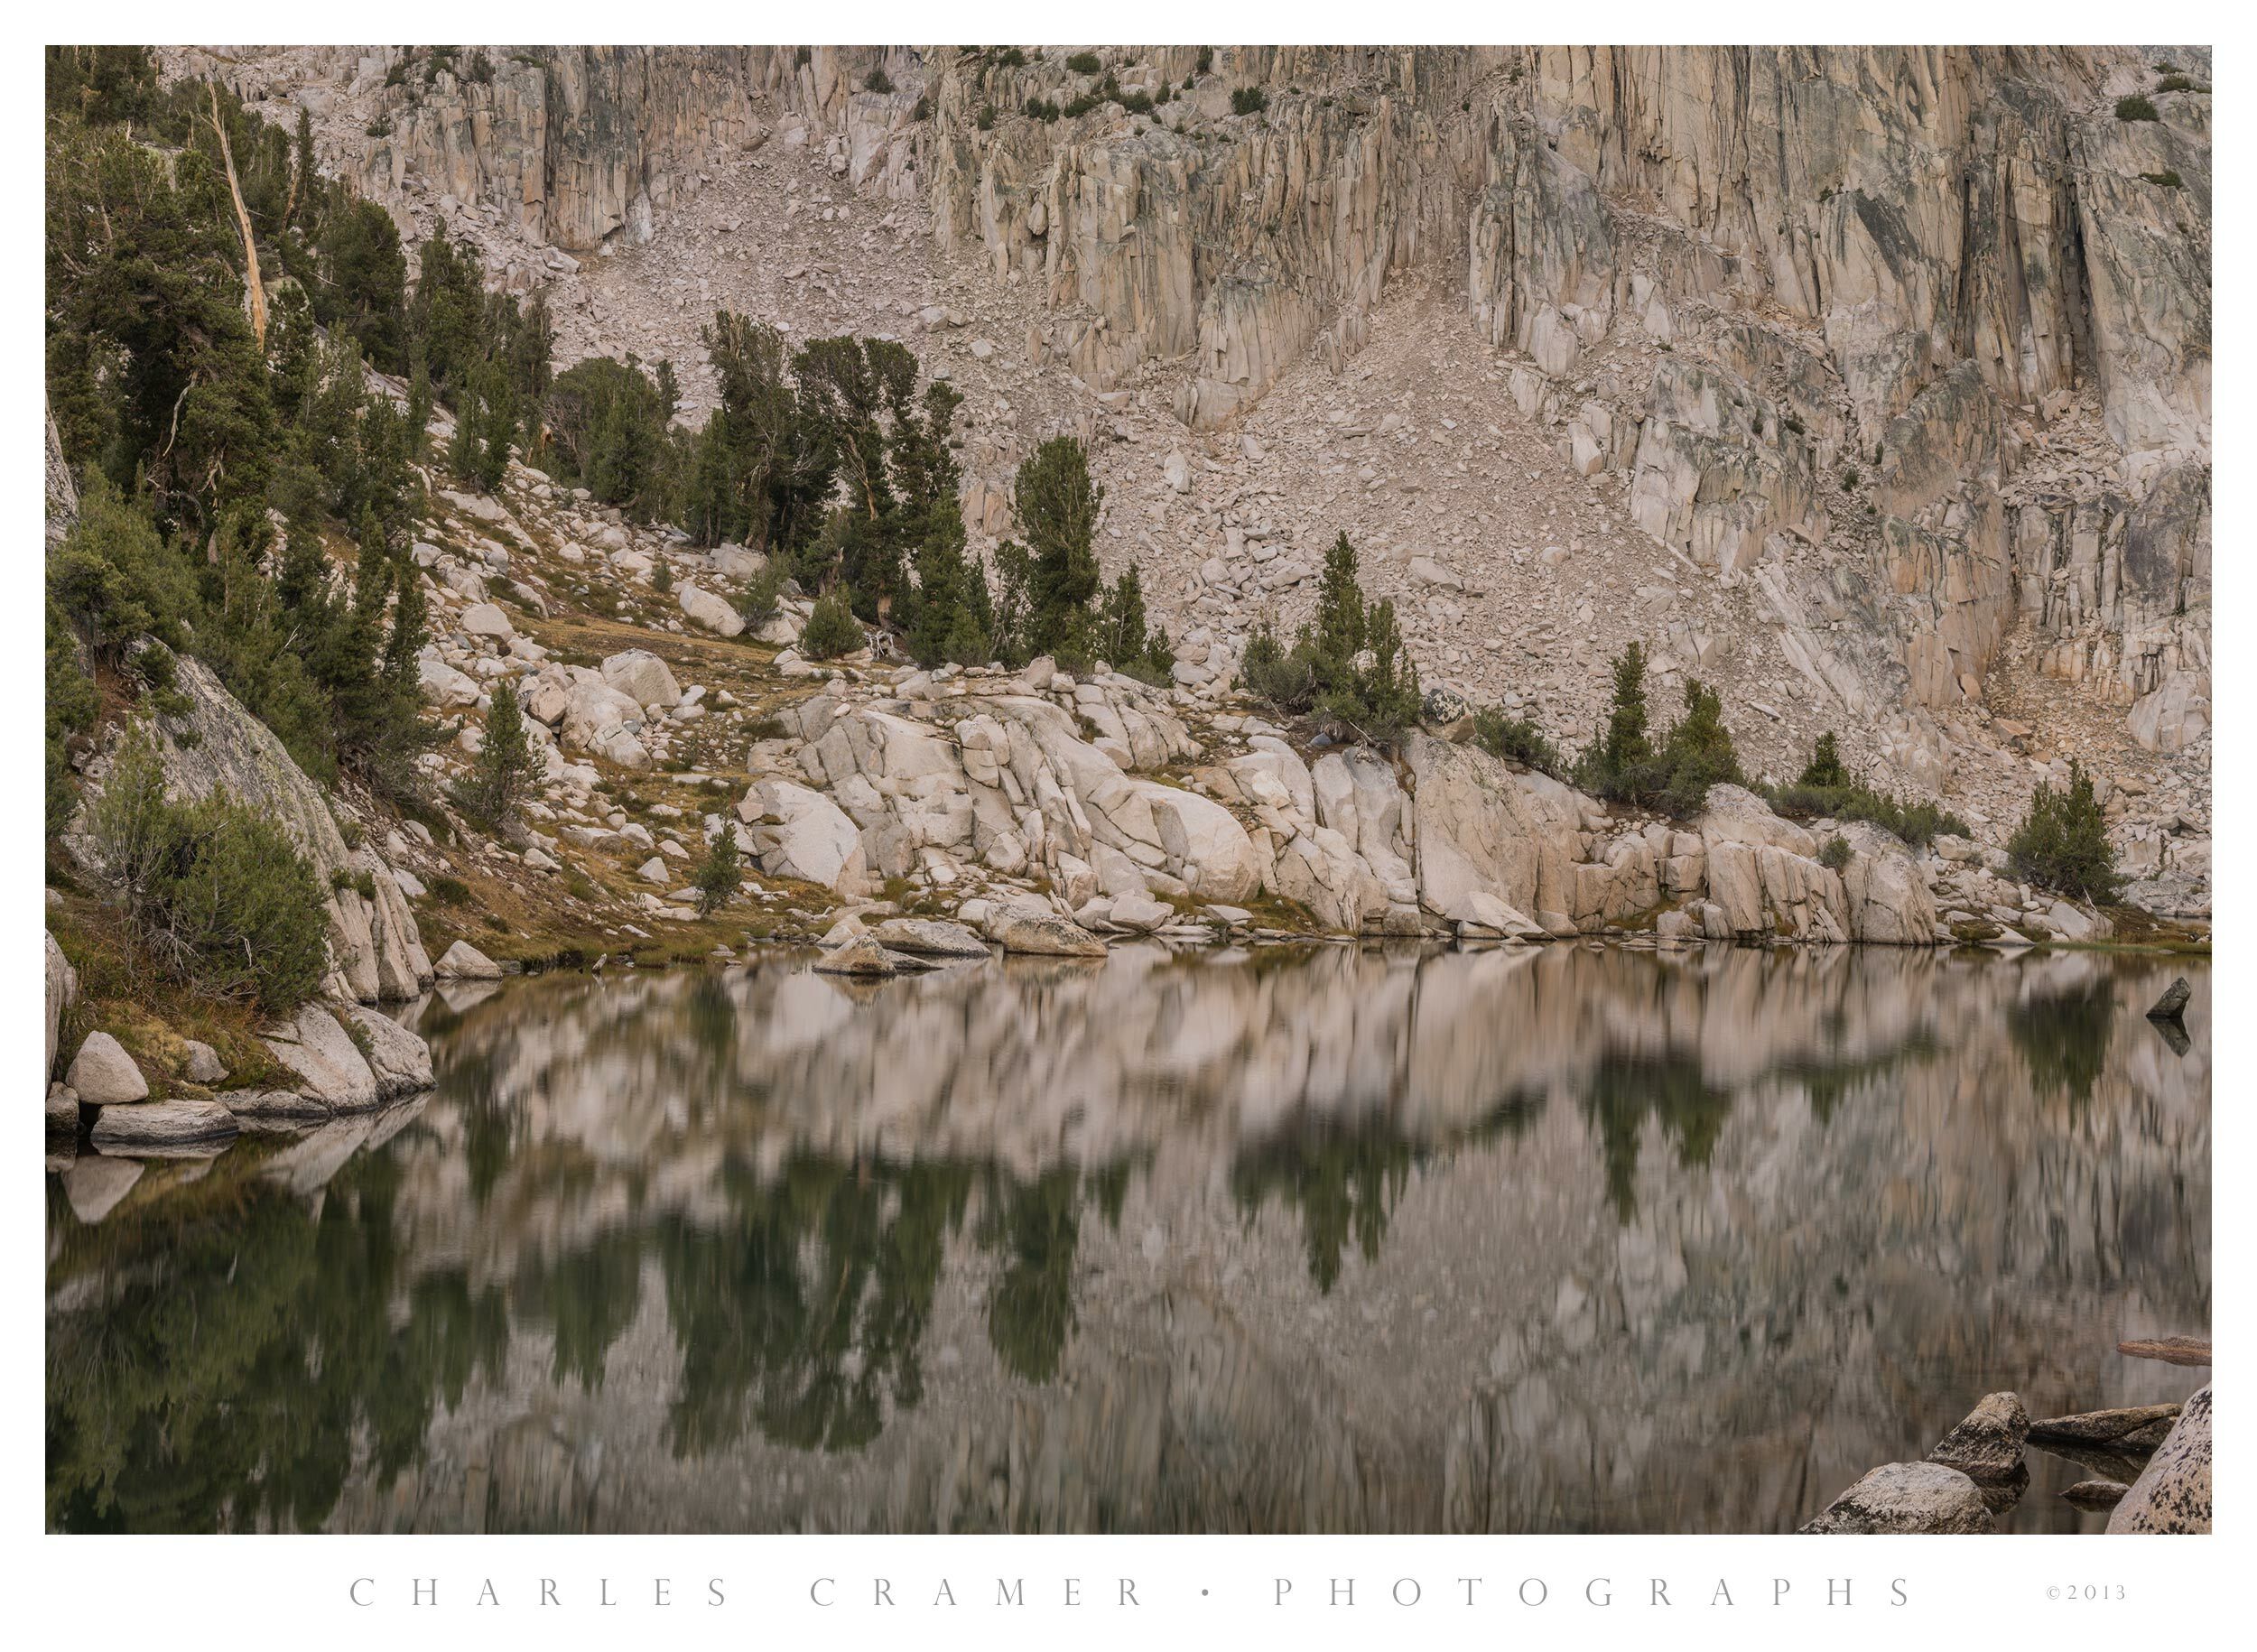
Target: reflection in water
[[1559, 1239]]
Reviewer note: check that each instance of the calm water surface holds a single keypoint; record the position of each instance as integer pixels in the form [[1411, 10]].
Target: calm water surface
[[1560, 1240]]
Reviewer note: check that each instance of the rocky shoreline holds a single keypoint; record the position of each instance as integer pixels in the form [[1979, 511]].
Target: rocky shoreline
[[1977, 1472]]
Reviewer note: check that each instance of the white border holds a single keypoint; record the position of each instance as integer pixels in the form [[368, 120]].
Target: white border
[[191, 1592]]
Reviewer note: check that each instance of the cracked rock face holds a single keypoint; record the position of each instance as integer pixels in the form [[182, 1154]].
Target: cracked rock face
[[1901, 354]]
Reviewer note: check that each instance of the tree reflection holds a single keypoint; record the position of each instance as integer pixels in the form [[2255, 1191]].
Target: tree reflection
[[1624, 1090], [2064, 1037]]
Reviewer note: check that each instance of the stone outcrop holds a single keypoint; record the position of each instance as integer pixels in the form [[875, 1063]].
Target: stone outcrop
[[62, 993], [158, 1129], [219, 747], [2172, 1493]]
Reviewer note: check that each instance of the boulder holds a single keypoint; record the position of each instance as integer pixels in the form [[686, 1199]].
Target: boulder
[[714, 613], [203, 1065], [2172, 1493], [445, 687], [103, 1076], [464, 962], [1890, 902], [643, 677], [931, 937], [861, 956], [329, 1066], [1986, 1445], [62, 1110], [1140, 912], [1211, 851], [2170, 1007], [800, 833], [1906, 1497], [156, 1129], [2095, 1494], [484, 619], [400, 1060], [1027, 926]]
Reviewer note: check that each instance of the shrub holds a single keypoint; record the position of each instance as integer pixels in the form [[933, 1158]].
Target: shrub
[[878, 80], [2135, 107], [1519, 739], [832, 629], [1916, 823], [1013, 56], [1248, 100], [1824, 767], [1834, 853], [1077, 108], [802, 55], [986, 120], [764, 593], [715, 879], [215, 894], [1084, 63], [1285, 681], [1041, 108], [2062, 843], [1207, 59], [2166, 180], [2175, 83], [449, 890], [661, 577]]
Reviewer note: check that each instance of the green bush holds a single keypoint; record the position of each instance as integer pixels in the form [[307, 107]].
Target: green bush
[[2175, 83], [1287, 681], [1917, 822], [1248, 100], [986, 119], [2062, 843], [2166, 180], [2136, 107], [449, 890], [1519, 739], [1084, 63], [215, 894], [878, 80], [717, 875], [832, 629], [1042, 109], [1833, 854]]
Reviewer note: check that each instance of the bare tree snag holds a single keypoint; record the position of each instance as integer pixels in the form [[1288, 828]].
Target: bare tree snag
[[253, 293]]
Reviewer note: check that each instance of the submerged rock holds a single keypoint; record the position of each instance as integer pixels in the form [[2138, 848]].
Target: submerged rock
[[1987, 1448], [2095, 1494], [1905, 1498], [2141, 1427]]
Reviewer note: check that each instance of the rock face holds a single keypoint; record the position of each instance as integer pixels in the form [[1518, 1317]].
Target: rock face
[[63, 992], [799, 833], [2172, 1493], [376, 954], [1899, 1497]]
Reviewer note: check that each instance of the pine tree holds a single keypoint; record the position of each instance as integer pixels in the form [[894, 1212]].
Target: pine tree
[[717, 875], [505, 770], [1824, 768], [1058, 505]]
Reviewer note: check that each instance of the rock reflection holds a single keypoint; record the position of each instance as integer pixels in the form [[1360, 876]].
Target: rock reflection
[[1569, 1238]]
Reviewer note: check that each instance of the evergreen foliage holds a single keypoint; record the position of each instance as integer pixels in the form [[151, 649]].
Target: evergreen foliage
[[1348, 667], [2062, 843], [215, 894], [506, 768]]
